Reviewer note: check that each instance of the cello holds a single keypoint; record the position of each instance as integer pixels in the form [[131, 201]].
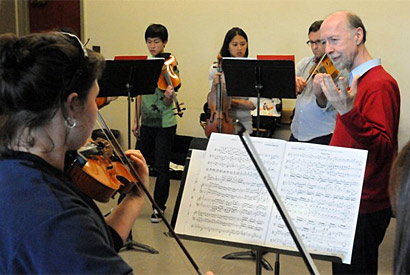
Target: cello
[[219, 104]]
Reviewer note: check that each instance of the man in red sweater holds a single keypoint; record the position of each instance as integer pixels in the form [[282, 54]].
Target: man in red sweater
[[368, 118]]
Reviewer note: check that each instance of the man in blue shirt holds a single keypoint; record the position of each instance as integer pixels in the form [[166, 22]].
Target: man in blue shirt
[[312, 123]]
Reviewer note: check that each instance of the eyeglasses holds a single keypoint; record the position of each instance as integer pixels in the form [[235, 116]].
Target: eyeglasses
[[317, 42]]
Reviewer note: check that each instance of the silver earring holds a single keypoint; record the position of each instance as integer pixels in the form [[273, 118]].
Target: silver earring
[[70, 123]]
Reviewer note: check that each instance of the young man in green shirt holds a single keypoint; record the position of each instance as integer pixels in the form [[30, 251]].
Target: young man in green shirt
[[155, 122]]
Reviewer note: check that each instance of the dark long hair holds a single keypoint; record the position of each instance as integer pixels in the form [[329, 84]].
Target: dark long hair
[[224, 52], [37, 73]]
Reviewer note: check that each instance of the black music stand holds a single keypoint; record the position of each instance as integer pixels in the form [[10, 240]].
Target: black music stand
[[131, 78], [258, 78], [248, 77]]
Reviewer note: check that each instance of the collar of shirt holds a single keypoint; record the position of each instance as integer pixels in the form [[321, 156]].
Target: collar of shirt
[[363, 68]]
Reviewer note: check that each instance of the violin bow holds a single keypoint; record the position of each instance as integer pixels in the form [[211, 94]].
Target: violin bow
[[139, 184]]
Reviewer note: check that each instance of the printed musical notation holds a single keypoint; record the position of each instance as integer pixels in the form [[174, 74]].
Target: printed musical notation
[[320, 186]]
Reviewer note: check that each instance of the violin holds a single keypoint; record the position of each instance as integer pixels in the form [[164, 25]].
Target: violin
[[219, 104], [104, 101], [101, 102], [169, 77], [324, 66], [98, 171], [115, 173]]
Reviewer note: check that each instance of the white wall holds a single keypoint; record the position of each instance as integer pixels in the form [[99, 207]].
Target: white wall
[[197, 28]]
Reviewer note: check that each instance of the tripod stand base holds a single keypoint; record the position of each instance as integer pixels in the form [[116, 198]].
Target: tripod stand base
[[248, 255], [133, 245]]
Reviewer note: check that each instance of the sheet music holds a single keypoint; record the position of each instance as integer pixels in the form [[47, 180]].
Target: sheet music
[[319, 185], [195, 164]]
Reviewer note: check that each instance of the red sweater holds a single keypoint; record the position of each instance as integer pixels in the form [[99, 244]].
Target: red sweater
[[372, 125]]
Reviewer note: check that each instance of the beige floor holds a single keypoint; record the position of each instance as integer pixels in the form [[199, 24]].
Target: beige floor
[[171, 259]]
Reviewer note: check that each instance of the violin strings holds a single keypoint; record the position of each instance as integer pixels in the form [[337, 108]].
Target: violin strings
[[317, 66], [115, 150]]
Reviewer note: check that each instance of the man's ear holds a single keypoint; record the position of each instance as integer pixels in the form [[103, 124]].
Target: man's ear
[[359, 35]]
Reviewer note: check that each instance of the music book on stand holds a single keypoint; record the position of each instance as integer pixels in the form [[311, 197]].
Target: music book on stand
[[223, 199]]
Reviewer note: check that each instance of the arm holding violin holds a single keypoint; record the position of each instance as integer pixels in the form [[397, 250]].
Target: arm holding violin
[[302, 72], [122, 218], [168, 95], [169, 79], [300, 84]]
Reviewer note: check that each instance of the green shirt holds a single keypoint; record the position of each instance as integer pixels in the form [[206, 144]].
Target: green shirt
[[154, 112]]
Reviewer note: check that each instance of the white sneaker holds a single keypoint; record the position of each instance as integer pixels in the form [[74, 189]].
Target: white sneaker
[[155, 217]]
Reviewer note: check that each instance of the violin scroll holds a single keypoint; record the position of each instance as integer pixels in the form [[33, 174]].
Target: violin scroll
[[170, 66], [104, 101]]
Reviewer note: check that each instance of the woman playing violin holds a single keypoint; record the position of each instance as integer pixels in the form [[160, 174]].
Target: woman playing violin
[[235, 45], [48, 88]]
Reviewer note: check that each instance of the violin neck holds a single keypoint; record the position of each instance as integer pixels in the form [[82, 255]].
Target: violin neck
[[168, 79], [174, 96], [219, 105], [220, 58]]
